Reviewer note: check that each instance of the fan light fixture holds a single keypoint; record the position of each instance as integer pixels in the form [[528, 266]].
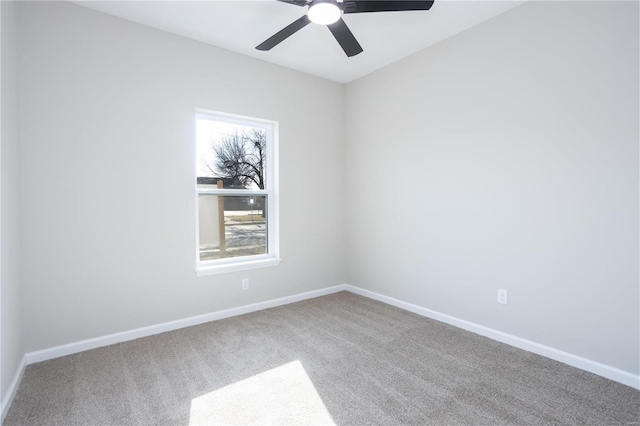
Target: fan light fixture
[[328, 12], [323, 13]]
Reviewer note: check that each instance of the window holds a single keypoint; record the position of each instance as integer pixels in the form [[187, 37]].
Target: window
[[236, 191]]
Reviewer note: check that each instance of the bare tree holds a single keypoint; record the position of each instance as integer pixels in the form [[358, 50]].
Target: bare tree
[[240, 156]]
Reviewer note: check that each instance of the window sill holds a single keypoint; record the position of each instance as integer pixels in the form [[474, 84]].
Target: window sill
[[202, 270]]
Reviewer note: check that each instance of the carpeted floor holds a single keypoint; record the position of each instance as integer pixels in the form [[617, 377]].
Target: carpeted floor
[[340, 359]]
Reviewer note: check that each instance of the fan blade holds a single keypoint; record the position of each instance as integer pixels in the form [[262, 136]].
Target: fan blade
[[345, 38], [360, 6], [281, 35], [296, 2]]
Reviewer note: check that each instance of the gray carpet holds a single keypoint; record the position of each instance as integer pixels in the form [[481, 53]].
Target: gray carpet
[[340, 359]]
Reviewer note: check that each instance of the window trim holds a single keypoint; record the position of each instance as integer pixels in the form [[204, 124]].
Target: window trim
[[272, 258]]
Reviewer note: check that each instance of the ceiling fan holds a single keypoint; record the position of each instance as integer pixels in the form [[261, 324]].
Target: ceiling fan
[[327, 12]]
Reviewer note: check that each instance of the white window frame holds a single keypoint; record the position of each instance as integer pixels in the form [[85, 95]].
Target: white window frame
[[240, 263]]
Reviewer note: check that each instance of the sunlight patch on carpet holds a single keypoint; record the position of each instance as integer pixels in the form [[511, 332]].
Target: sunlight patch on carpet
[[283, 395]]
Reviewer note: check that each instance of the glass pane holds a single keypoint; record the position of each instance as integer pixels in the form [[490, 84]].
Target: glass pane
[[232, 226], [230, 153]]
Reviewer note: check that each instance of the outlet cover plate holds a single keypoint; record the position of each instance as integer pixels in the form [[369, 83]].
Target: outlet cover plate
[[502, 296]]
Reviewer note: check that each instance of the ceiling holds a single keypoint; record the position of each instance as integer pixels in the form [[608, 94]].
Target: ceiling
[[240, 25]]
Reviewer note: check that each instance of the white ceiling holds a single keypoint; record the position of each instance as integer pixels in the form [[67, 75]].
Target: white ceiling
[[240, 25]]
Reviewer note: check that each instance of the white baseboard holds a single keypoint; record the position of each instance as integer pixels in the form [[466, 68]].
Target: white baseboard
[[600, 369], [594, 367], [97, 342], [11, 391]]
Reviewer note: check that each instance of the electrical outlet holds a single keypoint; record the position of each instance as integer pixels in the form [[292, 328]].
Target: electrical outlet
[[245, 283], [502, 296]]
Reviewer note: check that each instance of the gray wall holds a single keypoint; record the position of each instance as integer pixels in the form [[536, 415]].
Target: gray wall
[[108, 168], [507, 157], [11, 332]]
